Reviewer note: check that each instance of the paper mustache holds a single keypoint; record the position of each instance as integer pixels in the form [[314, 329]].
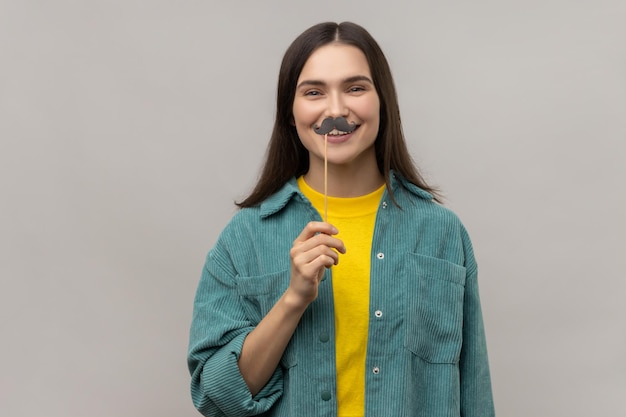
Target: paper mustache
[[340, 123]]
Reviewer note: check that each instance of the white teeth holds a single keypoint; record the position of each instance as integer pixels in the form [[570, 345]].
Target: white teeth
[[336, 132]]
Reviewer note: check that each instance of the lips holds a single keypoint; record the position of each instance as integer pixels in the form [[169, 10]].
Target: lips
[[337, 136]]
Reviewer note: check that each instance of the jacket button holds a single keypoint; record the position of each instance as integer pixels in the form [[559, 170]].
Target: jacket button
[[326, 395], [324, 337], [378, 313], [380, 255], [376, 370]]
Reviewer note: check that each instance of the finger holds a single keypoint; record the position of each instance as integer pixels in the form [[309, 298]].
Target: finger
[[307, 251], [314, 228], [320, 239], [318, 265], [309, 256]]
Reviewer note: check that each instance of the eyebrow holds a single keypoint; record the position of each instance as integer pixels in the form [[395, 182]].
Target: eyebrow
[[319, 83]]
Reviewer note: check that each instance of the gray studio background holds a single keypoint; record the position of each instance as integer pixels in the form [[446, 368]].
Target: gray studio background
[[128, 127]]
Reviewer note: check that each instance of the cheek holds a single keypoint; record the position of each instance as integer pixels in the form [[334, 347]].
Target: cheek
[[369, 109], [303, 114]]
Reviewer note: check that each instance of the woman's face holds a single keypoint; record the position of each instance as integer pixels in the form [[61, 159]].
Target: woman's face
[[336, 81]]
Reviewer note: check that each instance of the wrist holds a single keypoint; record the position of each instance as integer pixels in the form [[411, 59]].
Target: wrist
[[293, 303]]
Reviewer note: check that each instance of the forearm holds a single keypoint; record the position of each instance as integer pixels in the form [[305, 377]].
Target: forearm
[[265, 345], [312, 252]]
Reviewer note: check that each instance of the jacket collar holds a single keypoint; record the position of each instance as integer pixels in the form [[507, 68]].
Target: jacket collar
[[276, 202], [279, 200], [412, 188]]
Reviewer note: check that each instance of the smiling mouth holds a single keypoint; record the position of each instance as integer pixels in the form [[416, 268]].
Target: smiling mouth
[[329, 124], [337, 132]]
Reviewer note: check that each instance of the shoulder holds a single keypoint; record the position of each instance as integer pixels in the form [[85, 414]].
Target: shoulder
[[433, 222], [414, 199], [239, 226], [416, 202], [250, 219], [256, 229]]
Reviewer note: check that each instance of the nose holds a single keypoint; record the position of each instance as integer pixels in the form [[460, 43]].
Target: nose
[[337, 105]]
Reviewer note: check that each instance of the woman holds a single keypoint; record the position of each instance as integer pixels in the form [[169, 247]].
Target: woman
[[373, 312]]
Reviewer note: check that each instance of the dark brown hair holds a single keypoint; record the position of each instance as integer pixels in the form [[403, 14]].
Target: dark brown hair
[[286, 157]]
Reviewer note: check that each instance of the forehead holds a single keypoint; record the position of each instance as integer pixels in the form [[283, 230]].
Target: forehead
[[335, 62]]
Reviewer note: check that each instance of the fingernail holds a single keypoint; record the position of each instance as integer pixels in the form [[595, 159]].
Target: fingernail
[[335, 231]]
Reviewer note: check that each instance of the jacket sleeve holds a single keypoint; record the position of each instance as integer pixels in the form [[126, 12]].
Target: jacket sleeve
[[218, 329], [476, 394]]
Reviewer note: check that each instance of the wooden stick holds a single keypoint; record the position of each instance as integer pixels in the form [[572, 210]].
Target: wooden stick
[[326, 177]]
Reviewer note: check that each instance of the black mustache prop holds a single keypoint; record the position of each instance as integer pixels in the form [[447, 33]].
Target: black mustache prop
[[340, 123]]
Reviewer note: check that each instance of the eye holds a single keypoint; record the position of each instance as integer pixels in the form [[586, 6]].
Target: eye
[[356, 89], [312, 93]]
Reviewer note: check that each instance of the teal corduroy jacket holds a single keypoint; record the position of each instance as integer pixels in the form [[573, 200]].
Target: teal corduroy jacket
[[426, 350]]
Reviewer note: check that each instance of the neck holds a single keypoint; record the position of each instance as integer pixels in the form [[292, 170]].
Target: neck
[[345, 180]]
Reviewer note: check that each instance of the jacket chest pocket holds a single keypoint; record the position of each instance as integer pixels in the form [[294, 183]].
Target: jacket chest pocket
[[258, 294], [434, 308]]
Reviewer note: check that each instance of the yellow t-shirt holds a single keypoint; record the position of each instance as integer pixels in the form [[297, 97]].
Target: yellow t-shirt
[[354, 218]]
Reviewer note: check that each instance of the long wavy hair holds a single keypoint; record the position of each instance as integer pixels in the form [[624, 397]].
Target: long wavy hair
[[286, 157]]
